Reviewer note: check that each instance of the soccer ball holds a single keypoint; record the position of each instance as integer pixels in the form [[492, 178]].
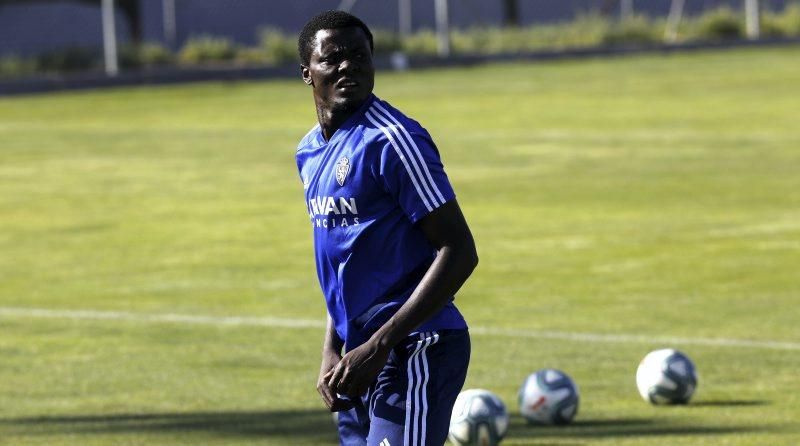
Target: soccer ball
[[548, 396], [479, 418], [666, 376]]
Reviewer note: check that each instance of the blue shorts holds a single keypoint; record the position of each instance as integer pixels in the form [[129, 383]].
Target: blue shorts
[[411, 400]]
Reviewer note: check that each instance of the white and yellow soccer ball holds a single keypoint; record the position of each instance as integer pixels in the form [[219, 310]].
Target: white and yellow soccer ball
[[479, 418], [549, 396], [666, 376]]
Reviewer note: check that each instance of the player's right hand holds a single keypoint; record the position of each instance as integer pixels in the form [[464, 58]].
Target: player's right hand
[[332, 401]]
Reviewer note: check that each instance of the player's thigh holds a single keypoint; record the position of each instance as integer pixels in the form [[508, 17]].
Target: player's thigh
[[413, 398], [353, 426]]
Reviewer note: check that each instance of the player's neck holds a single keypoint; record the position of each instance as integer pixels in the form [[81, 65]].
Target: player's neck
[[331, 118], [329, 122]]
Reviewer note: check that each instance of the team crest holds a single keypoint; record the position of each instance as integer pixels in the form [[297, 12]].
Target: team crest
[[342, 169]]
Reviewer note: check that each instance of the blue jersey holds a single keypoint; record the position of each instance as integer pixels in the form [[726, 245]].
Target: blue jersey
[[365, 189]]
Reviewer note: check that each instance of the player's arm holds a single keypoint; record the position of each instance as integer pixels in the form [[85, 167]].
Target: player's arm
[[447, 230], [331, 355], [456, 258]]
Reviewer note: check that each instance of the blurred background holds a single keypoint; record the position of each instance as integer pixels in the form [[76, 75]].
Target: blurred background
[[630, 170], [61, 36]]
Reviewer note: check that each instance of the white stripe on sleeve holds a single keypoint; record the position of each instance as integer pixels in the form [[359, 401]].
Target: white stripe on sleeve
[[416, 149], [374, 121], [416, 160]]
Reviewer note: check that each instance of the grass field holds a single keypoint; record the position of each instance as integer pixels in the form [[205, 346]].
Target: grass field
[[157, 285]]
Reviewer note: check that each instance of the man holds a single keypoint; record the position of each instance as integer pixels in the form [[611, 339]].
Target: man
[[391, 247]]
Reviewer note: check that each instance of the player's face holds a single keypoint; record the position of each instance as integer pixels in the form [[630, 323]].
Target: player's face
[[340, 69]]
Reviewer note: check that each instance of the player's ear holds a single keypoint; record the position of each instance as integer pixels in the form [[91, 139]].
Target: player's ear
[[306, 73]]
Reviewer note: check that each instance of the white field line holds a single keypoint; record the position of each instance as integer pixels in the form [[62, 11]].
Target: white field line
[[272, 322], [159, 318], [636, 339]]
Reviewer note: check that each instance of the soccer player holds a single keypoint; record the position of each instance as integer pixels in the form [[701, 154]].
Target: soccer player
[[391, 248]]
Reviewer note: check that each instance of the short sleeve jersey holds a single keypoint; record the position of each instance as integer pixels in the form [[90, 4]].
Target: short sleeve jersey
[[365, 190]]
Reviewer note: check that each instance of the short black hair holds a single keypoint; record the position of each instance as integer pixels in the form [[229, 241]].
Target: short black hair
[[327, 20]]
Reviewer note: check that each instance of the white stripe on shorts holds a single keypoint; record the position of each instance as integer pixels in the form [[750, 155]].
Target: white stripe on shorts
[[409, 397], [417, 393], [424, 355]]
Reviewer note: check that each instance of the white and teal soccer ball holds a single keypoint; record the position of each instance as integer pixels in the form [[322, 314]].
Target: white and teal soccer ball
[[666, 376], [549, 396], [479, 418]]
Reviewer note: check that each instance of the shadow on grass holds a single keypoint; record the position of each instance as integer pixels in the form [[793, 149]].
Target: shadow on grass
[[609, 428], [308, 424], [316, 426], [724, 403]]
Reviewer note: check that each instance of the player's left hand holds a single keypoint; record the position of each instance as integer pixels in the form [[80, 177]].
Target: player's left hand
[[353, 375]]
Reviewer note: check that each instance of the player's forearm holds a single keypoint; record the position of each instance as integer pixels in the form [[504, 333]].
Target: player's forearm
[[448, 272], [332, 342]]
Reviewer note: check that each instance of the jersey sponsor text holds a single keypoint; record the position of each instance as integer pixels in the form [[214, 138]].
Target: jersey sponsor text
[[333, 212]]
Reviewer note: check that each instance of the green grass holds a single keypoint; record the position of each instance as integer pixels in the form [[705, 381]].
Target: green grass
[[654, 196]]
